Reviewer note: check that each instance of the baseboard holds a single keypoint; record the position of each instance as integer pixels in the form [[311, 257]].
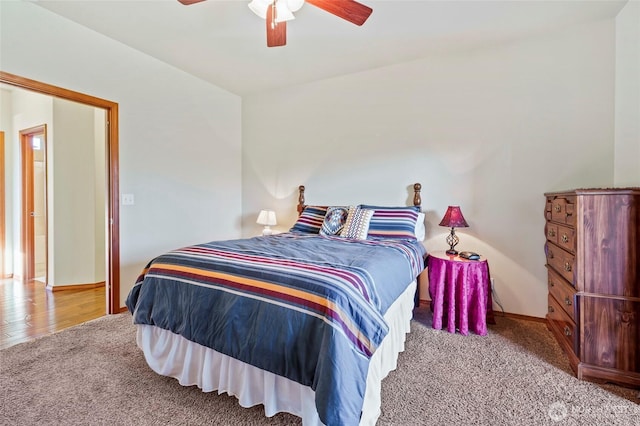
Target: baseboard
[[7, 276], [518, 316], [75, 286], [427, 302], [123, 310]]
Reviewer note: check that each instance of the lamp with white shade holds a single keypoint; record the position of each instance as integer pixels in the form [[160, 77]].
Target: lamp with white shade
[[268, 219]]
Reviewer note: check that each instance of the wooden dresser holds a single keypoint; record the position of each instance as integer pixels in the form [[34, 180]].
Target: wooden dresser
[[593, 263]]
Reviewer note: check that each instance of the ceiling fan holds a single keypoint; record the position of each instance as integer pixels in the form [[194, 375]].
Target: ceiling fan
[[277, 12]]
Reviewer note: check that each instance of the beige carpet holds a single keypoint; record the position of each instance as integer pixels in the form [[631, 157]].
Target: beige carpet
[[94, 374]]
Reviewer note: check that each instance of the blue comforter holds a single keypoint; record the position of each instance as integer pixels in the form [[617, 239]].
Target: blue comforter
[[306, 307]]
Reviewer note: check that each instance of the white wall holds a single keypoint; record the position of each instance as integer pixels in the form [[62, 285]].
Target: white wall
[[490, 130], [100, 207], [179, 136], [627, 118], [72, 225]]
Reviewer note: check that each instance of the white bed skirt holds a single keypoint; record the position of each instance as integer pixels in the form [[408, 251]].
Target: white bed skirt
[[172, 355]]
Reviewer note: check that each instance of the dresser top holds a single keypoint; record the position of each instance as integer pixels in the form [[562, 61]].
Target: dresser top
[[596, 191]]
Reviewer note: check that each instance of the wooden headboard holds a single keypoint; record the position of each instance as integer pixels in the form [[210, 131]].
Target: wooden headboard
[[417, 199]]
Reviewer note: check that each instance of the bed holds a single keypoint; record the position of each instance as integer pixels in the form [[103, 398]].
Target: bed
[[307, 322]]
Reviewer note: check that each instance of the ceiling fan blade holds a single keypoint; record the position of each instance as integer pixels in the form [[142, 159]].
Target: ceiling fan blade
[[188, 2], [350, 10], [276, 31]]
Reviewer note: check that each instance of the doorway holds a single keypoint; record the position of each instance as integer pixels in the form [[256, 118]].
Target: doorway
[[33, 163], [112, 167]]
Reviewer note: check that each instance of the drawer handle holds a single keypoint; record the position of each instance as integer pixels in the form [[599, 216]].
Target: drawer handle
[[567, 301], [567, 330], [551, 309], [552, 233], [550, 254], [565, 239], [567, 266], [551, 284], [558, 208]]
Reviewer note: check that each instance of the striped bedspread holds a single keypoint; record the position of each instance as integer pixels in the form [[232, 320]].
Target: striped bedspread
[[306, 307]]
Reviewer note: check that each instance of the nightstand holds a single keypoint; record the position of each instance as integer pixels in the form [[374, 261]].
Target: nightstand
[[460, 293]]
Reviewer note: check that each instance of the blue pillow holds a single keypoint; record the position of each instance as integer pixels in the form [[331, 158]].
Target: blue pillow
[[393, 222], [310, 220]]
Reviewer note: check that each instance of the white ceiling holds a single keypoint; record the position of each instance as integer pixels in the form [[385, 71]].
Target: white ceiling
[[223, 42]]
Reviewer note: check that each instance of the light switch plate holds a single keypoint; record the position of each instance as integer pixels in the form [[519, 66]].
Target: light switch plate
[[128, 199]]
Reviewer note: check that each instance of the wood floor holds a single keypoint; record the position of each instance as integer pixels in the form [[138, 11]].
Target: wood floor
[[29, 310]]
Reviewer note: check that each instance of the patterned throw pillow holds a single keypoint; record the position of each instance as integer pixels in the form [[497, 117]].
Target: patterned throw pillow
[[393, 222], [334, 221], [310, 221], [357, 224]]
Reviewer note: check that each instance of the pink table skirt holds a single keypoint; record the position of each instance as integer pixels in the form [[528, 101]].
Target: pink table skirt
[[460, 294]]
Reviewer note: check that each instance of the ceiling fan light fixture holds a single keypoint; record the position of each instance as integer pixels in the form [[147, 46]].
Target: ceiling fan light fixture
[[295, 5], [259, 7], [282, 12]]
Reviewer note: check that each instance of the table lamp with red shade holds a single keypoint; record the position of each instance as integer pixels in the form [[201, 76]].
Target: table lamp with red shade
[[453, 218]]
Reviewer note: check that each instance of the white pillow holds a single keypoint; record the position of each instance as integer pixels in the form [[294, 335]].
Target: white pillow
[[420, 229]]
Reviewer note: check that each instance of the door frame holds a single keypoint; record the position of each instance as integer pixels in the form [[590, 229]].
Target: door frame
[[112, 167], [27, 226]]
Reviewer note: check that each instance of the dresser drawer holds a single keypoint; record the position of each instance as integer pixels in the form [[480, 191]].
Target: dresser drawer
[[561, 261], [561, 235], [551, 230], [566, 238], [563, 293], [562, 326], [562, 210]]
